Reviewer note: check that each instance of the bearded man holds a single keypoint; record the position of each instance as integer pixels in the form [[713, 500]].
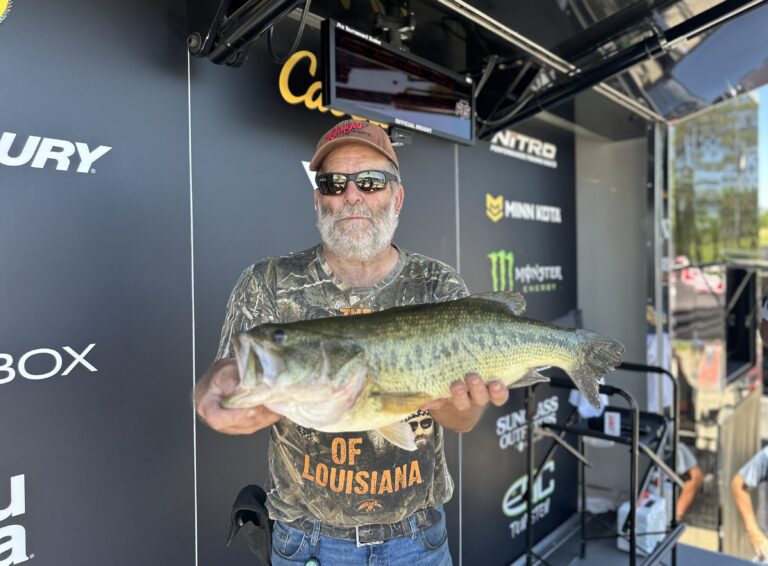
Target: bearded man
[[349, 498]]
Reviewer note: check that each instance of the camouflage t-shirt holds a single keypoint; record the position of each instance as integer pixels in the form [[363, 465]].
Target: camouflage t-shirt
[[345, 479]]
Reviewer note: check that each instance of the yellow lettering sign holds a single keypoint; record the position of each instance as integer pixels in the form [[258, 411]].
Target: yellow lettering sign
[[312, 98]]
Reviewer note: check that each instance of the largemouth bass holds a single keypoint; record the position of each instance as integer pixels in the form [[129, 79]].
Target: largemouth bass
[[366, 372]]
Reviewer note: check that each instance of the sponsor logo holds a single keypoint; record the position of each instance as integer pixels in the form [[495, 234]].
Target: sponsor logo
[[369, 505], [514, 504], [530, 278], [312, 98], [43, 363], [527, 148], [37, 152], [5, 9], [512, 428], [13, 538], [498, 207], [345, 129]]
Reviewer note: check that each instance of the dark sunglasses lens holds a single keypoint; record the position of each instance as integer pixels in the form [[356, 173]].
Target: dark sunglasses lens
[[370, 181], [331, 184]]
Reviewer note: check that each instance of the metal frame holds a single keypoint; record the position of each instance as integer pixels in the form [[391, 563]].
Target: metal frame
[[634, 444], [546, 57]]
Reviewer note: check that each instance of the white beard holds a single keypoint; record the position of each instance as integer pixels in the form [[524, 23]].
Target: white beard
[[357, 241]]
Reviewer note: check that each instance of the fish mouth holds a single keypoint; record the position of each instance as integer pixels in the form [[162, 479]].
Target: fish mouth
[[255, 363], [271, 364]]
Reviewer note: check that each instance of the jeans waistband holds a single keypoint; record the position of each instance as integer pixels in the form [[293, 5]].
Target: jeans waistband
[[371, 534]]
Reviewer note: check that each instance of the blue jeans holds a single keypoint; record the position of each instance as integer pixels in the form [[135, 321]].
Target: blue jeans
[[428, 547]]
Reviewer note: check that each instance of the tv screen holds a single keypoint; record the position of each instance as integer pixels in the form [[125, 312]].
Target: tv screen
[[367, 77]]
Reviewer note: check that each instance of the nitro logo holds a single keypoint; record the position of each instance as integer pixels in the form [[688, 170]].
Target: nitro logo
[[497, 208], [42, 364], [512, 428], [38, 152], [532, 278], [13, 538], [513, 144], [514, 504]]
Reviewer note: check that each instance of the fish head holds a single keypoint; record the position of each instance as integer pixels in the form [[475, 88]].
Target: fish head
[[288, 365]]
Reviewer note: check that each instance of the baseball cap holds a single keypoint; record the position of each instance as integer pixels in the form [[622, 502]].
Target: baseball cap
[[353, 131]]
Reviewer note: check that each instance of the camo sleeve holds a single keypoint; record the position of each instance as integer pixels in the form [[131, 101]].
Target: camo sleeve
[[251, 303], [450, 285]]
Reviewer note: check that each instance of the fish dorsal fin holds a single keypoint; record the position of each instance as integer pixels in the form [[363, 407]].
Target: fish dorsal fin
[[400, 403], [513, 300], [399, 434], [531, 378]]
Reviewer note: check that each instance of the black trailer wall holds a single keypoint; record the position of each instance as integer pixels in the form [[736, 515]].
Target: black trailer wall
[[127, 214]]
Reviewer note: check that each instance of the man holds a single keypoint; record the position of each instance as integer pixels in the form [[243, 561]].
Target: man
[[349, 498], [689, 470], [749, 477]]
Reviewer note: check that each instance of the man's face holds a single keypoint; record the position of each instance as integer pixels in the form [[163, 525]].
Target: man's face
[[357, 225]]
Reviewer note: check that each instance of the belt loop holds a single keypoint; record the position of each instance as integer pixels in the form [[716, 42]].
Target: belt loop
[[315, 533], [412, 524]]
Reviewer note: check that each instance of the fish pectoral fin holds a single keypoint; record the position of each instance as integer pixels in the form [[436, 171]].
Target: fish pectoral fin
[[531, 378], [399, 434], [400, 403], [513, 300]]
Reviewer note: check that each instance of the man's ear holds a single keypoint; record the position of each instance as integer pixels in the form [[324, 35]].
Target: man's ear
[[315, 197], [399, 198]]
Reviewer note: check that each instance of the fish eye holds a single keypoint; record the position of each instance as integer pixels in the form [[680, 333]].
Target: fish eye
[[279, 336]]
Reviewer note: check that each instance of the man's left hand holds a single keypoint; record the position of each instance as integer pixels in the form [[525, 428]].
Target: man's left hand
[[471, 393]]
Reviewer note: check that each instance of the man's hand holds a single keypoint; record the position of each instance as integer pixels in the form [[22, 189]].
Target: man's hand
[[759, 542], [462, 410], [218, 382]]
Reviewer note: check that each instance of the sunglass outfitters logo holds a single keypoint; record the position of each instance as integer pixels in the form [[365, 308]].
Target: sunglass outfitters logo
[[5, 9]]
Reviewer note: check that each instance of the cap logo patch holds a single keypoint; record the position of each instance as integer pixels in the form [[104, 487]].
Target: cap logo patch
[[345, 129]]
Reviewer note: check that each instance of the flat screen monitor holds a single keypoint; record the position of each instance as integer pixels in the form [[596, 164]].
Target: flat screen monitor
[[367, 77]]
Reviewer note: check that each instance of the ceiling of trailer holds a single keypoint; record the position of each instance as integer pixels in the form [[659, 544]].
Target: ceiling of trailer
[[725, 61]]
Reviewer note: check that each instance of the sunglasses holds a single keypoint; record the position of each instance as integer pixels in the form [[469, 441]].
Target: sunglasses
[[366, 181]]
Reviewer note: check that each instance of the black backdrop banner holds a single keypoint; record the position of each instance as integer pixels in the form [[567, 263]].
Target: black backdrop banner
[[110, 199]]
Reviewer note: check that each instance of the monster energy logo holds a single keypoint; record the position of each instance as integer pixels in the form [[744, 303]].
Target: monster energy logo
[[502, 270], [533, 278]]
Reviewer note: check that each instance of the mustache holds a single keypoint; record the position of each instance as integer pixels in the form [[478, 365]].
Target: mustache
[[348, 210]]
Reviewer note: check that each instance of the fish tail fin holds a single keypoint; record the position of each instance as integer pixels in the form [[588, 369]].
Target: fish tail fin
[[598, 355]]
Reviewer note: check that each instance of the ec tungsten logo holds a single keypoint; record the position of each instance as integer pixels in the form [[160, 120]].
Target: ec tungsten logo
[[494, 207], [38, 151], [532, 278], [5, 9]]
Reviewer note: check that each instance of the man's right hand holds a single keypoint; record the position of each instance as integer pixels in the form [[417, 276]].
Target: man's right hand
[[759, 542], [218, 382]]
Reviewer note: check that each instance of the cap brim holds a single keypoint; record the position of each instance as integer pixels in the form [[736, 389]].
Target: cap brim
[[322, 153]]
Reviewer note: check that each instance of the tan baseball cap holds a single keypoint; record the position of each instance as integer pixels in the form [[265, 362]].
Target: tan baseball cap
[[353, 131]]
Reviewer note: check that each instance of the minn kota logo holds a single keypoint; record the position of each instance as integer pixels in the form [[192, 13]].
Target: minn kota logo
[[494, 207], [5, 8]]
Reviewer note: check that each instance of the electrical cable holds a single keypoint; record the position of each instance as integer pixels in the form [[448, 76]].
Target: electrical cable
[[280, 59]]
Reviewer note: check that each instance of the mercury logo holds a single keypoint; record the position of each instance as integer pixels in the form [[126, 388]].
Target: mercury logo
[[5, 9], [38, 151], [13, 538], [527, 148]]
